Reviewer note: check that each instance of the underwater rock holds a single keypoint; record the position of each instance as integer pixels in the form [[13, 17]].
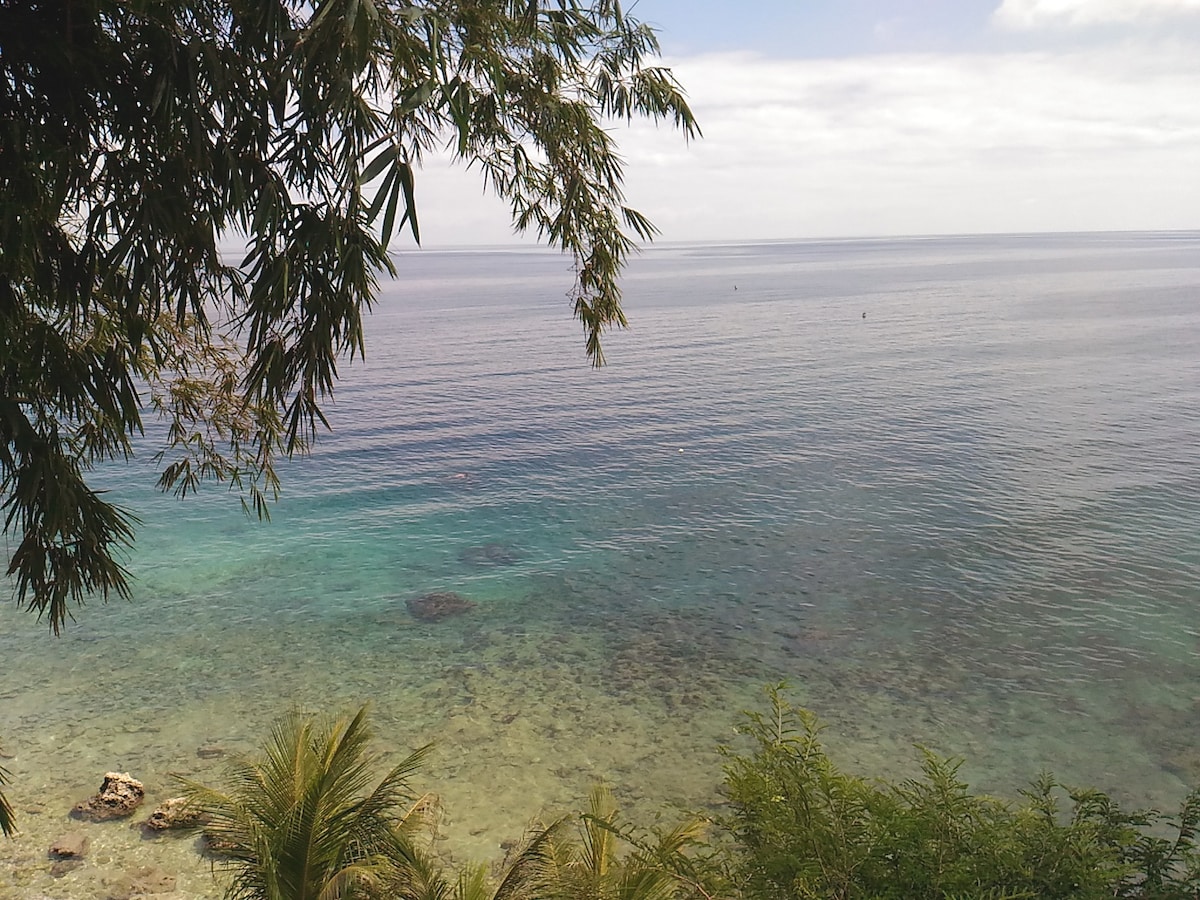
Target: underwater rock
[[120, 794], [1184, 762], [139, 882], [174, 812], [487, 555], [65, 866], [215, 846], [438, 606], [73, 845]]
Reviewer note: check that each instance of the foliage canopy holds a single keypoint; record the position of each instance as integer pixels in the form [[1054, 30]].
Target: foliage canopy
[[135, 136]]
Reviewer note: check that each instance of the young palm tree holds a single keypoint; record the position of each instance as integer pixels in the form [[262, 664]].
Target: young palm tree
[[527, 874], [557, 862], [589, 867], [303, 822]]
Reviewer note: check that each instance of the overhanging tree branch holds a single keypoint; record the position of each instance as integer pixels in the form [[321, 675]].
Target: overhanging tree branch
[[134, 137]]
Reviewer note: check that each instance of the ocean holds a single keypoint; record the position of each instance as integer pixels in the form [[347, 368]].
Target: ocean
[[948, 489]]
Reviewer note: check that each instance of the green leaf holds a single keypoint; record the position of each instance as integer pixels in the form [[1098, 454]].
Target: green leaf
[[378, 164], [389, 217], [381, 195], [410, 203]]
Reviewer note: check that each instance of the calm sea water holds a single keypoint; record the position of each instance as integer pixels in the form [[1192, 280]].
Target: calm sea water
[[948, 488]]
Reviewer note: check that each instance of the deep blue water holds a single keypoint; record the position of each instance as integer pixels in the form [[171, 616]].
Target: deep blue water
[[946, 487]]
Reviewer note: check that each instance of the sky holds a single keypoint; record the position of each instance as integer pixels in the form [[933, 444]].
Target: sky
[[855, 118]]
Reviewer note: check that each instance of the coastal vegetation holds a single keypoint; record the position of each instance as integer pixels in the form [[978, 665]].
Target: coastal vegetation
[[307, 820], [802, 827]]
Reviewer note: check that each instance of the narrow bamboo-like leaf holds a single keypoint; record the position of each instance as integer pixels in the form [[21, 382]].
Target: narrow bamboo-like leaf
[[389, 217], [381, 195], [410, 203], [417, 98], [378, 164]]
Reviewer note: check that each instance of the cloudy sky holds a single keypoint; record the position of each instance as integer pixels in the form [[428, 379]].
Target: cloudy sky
[[831, 118]]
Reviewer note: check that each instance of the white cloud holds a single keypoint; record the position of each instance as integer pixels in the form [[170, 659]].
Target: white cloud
[[1099, 139], [924, 144], [1029, 14]]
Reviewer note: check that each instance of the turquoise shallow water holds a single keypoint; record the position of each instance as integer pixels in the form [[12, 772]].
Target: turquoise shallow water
[[968, 518]]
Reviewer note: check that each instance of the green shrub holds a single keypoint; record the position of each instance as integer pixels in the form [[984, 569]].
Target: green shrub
[[802, 828]]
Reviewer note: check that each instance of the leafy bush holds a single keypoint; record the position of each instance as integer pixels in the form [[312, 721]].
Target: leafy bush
[[802, 828]]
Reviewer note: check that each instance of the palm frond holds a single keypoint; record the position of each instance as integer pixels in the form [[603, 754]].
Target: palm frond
[[416, 875], [473, 884], [598, 838], [8, 819], [535, 865], [307, 820]]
